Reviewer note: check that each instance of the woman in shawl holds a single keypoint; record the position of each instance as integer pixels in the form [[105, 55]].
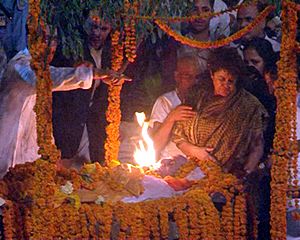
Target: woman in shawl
[[228, 127]]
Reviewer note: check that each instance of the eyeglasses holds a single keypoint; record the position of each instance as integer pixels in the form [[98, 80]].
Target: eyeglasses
[[185, 75]]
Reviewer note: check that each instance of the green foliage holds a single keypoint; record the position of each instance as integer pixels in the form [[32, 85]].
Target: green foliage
[[68, 17], [152, 88]]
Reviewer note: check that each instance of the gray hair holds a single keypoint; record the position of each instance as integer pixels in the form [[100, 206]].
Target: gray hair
[[188, 58]]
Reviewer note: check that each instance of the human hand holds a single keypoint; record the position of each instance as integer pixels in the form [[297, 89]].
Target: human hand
[[110, 77], [202, 153], [178, 184], [181, 113]]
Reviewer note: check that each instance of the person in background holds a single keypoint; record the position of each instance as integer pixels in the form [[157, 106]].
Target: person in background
[[79, 116], [245, 15], [198, 29], [261, 61], [219, 26], [13, 33], [18, 136]]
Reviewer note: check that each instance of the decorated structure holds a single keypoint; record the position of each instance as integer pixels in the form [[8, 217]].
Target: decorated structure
[[45, 202]]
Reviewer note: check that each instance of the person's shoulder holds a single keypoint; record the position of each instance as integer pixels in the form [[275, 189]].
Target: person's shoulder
[[167, 99], [169, 95], [275, 44], [250, 99], [220, 5]]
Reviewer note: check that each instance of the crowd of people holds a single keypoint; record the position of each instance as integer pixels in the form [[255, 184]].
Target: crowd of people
[[220, 105]]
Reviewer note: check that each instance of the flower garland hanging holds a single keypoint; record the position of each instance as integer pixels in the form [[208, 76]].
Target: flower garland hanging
[[130, 31], [193, 17], [113, 112], [218, 43], [285, 149], [43, 108]]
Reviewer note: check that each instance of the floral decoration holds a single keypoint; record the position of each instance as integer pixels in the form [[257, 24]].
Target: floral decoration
[[218, 43], [40, 64], [285, 153]]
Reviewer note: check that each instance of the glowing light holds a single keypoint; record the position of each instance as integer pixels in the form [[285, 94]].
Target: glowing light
[[144, 154]]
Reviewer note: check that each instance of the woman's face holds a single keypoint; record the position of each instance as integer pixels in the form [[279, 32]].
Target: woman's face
[[224, 82], [252, 58]]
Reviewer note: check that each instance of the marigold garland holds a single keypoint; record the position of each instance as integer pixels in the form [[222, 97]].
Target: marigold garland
[[285, 153], [194, 212], [117, 50], [43, 108], [130, 32], [113, 112], [297, 47], [218, 43], [113, 116], [189, 18]]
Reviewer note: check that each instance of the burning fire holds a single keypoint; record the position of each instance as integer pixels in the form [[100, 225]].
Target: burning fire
[[144, 156]]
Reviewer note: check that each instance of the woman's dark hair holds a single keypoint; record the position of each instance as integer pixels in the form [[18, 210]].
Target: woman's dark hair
[[228, 59], [265, 50]]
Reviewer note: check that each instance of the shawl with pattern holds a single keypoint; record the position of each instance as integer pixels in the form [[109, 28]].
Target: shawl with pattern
[[226, 124]]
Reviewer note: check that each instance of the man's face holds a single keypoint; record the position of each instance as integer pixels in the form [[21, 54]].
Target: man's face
[[185, 76], [98, 34], [245, 16], [201, 7]]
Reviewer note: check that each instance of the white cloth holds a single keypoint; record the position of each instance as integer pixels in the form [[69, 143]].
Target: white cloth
[[18, 139], [154, 188], [97, 56], [162, 107], [219, 25], [275, 44]]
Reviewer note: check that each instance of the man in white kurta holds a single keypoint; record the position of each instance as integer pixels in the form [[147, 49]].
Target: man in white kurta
[[18, 139], [167, 110]]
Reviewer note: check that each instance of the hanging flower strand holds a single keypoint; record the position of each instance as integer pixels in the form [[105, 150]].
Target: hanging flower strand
[[284, 145], [214, 44], [113, 112], [43, 107], [130, 32]]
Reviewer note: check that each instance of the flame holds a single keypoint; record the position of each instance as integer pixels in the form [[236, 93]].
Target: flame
[[144, 156]]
